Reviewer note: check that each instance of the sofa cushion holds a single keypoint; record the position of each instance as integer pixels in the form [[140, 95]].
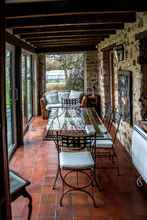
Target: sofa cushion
[[62, 95], [75, 94], [52, 97]]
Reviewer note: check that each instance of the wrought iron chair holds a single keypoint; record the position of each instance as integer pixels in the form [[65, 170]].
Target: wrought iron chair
[[76, 154], [106, 118], [70, 102], [106, 148]]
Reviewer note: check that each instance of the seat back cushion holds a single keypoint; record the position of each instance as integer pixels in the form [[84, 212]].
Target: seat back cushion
[[75, 94], [52, 97], [63, 95]]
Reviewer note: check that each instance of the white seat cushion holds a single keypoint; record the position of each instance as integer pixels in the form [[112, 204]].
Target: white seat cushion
[[104, 143], [76, 160], [52, 97]]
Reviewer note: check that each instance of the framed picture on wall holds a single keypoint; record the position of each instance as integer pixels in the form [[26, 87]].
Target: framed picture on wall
[[125, 95]]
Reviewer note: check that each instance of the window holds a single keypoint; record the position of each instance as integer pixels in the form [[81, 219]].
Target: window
[[10, 101], [27, 86], [65, 71]]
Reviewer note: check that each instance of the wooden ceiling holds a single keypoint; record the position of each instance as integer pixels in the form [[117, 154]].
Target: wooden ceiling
[[68, 25]]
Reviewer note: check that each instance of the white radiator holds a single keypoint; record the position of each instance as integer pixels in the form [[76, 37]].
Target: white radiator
[[139, 151]]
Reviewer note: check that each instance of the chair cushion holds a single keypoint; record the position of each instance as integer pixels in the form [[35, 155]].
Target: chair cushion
[[62, 95], [102, 128], [57, 105], [104, 143], [90, 129], [76, 160], [52, 97], [75, 94]]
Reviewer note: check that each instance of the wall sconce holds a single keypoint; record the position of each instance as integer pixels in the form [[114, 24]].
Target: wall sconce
[[120, 52]]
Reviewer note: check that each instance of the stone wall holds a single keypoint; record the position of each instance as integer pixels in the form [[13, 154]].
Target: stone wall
[[91, 71], [131, 63]]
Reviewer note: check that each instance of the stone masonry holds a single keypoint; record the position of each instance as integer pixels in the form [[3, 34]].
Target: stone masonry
[[131, 63]]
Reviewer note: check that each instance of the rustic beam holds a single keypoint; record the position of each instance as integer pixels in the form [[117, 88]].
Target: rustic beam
[[42, 29], [60, 44], [68, 19], [62, 7], [17, 42], [63, 37], [55, 44], [69, 34], [66, 44], [66, 40], [62, 49]]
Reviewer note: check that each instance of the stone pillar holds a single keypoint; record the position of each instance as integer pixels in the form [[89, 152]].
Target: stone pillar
[[91, 72]]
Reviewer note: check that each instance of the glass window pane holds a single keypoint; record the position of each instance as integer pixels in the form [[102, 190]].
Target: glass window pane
[[26, 88], [9, 100], [29, 88]]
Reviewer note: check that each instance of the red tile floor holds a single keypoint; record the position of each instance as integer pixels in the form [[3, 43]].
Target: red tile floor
[[37, 161]]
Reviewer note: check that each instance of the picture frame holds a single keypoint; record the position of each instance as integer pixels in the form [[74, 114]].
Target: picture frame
[[125, 95]]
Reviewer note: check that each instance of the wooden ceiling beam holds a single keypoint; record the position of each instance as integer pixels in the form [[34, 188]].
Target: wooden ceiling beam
[[18, 42], [59, 44], [60, 37], [63, 28], [8, 17], [64, 44], [67, 40], [63, 7], [70, 34], [62, 49], [91, 41], [67, 19]]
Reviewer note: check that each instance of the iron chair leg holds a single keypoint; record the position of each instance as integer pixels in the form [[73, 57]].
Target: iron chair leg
[[57, 174], [27, 195]]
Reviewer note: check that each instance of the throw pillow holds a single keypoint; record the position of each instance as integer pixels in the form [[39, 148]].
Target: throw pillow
[[75, 94], [63, 95], [52, 98]]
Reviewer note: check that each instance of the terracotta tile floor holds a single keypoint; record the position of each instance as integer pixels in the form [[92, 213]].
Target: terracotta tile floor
[[37, 161]]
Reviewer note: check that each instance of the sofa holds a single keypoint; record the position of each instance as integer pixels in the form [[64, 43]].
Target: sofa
[[54, 99]]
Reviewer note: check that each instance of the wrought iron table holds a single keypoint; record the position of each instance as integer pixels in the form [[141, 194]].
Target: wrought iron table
[[70, 120]]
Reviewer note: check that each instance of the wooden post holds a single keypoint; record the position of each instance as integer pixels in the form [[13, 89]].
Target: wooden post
[[18, 96], [5, 210], [40, 78]]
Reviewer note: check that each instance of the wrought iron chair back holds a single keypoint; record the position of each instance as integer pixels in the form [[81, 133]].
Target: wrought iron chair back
[[107, 117], [115, 120], [106, 149], [70, 102], [76, 142]]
